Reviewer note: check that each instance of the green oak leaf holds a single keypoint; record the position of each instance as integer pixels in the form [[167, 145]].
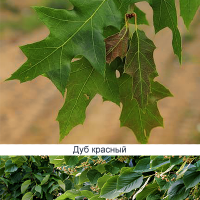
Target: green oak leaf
[[141, 121], [59, 78], [72, 33], [84, 83], [188, 9], [140, 66], [165, 15]]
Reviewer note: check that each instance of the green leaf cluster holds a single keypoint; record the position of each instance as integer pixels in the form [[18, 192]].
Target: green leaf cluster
[[91, 177], [30, 177], [74, 57], [151, 177]]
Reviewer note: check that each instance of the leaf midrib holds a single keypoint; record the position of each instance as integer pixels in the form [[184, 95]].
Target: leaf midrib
[[121, 39], [72, 110], [61, 46], [140, 70]]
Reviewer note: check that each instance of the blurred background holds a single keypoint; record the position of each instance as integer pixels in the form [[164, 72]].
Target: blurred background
[[28, 111]]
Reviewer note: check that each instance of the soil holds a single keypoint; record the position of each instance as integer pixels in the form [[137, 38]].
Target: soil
[[28, 111]]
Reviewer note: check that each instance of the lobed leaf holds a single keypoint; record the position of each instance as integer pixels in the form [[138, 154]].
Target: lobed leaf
[[83, 85], [140, 66], [79, 35], [117, 45], [140, 121], [165, 15], [72, 33]]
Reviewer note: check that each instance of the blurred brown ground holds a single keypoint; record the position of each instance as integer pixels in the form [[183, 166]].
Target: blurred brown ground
[[28, 111]]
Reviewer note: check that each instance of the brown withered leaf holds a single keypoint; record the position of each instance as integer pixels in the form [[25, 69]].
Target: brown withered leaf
[[117, 45]]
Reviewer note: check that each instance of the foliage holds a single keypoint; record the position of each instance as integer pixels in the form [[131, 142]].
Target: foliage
[[30, 177], [96, 37], [100, 177]]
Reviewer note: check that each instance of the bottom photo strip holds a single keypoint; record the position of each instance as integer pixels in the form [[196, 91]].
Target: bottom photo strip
[[99, 177]]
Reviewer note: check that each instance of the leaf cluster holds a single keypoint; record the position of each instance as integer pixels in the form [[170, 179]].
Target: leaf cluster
[[100, 177], [85, 49], [136, 177], [30, 177]]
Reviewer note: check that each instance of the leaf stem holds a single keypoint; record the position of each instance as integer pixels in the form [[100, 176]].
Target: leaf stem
[[136, 26]]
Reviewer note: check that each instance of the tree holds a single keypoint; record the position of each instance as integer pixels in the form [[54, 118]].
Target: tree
[[101, 40], [100, 177]]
